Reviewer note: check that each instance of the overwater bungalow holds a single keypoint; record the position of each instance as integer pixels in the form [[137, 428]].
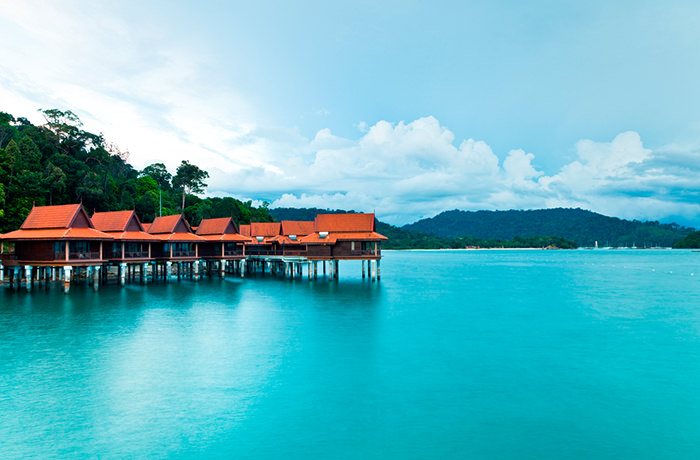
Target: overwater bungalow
[[64, 236], [349, 236], [131, 243], [291, 232], [52, 237], [176, 241], [264, 239], [223, 241]]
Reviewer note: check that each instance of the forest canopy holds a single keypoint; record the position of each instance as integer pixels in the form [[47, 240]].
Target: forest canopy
[[59, 162]]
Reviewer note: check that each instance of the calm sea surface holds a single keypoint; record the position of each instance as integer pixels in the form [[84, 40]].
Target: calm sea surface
[[454, 354]]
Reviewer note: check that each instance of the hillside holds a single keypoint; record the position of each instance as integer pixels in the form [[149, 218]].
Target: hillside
[[584, 227], [60, 163]]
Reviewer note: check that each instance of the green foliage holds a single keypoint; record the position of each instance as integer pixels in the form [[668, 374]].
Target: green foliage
[[584, 227], [189, 179], [691, 241], [159, 173], [60, 163]]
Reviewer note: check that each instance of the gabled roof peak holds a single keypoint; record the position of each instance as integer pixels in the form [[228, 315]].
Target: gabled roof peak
[[350, 222], [217, 226], [115, 221], [168, 224], [58, 216]]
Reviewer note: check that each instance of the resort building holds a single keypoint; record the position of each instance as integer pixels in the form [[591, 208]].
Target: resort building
[[53, 237], [118, 243]]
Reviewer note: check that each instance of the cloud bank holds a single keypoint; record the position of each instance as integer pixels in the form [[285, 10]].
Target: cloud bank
[[406, 171]]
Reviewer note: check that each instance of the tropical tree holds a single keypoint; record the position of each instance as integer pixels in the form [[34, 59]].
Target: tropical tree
[[190, 179]]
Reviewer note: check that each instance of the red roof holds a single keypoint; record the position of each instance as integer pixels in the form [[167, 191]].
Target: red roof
[[228, 237], [332, 238], [297, 227], [167, 224], [113, 221], [175, 237], [244, 229], [56, 233], [145, 226], [61, 216], [265, 228], [215, 226], [345, 223], [134, 236]]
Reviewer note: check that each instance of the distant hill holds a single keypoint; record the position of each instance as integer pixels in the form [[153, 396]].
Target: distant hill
[[691, 241], [401, 238], [584, 227]]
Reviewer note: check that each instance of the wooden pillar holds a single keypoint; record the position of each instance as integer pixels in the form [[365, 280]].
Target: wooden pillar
[[378, 276], [2, 272], [168, 271], [324, 267], [373, 264], [363, 269], [196, 270], [243, 262], [144, 273], [28, 277], [95, 277], [66, 278], [122, 274]]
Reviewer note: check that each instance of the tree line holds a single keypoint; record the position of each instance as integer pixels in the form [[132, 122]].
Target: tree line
[[59, 162]]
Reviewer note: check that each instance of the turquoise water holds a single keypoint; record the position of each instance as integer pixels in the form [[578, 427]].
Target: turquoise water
[[464, 354]]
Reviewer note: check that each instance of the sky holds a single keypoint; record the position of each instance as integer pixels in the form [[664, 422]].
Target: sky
[[403, 108]]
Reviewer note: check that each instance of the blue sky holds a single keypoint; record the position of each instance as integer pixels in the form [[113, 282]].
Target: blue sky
[[406, 108]]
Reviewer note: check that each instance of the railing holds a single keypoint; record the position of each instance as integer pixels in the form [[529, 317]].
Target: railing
[[84, 255], [184, 254], [295, 252], [135, 254], [233, 252], [59, 256]]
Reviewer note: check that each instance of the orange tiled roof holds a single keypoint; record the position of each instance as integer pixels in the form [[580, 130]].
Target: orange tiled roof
[[282, 239], [244, 229], [265, 228], [113, 221], [214, 226], [166, 224], [175, 237], [145, 226], [297, 227], [57, 233], [332, 238], [228, 237], [134, 236], [345, 223], [60, 216]]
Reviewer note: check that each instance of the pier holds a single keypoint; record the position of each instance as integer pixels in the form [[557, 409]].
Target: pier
[[62, 244]]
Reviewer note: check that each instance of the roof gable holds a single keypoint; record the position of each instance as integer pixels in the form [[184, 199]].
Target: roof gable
[[265, 228], [61, 216], [117, 221], [169, 224], [245, 229], [297, 227], [350, 222], [218, 226]]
